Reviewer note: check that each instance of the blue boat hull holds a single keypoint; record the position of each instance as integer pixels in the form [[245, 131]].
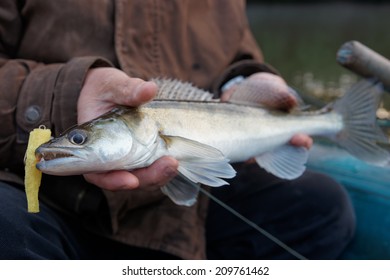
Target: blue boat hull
[[369, 189]]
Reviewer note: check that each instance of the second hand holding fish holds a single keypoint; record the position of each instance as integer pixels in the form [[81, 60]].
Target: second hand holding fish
[[104, 89]]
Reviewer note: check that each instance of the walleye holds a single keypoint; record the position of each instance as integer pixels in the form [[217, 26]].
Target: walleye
[[204, 135]]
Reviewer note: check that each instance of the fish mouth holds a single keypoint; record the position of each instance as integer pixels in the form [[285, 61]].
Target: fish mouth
[[44, 154], [55, 161], [47, 156]]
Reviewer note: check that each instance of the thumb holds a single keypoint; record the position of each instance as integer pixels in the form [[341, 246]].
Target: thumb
[[121, 89], [136, 93]]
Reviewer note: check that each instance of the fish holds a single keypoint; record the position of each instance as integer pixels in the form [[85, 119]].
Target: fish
[[206, 136]]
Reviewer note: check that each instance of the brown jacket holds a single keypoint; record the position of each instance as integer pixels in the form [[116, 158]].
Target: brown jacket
[[46, 48]]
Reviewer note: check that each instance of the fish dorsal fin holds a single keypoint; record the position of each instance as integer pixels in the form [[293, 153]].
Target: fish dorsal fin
[[181, 191], [286, 162], [169, 89], [265, 94], [200, 163]]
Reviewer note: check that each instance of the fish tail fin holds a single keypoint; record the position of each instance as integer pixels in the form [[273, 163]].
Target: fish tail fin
[[361, 134]]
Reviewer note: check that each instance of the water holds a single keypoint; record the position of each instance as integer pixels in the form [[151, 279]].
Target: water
[[302, 40]]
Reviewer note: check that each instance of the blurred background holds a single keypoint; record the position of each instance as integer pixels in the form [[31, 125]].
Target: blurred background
[[301, 39]]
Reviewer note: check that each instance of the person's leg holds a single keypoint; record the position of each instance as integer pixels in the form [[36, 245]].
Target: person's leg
[[311, 214], [25, 235], [50, 235]]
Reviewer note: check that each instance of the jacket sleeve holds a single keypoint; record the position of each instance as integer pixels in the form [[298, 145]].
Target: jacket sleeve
[[33, 93]]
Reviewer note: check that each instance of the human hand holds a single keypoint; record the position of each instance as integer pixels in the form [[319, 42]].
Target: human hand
[[103, 89], [274, 93]]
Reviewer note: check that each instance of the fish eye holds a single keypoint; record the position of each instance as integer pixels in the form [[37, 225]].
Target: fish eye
[[77, 137]]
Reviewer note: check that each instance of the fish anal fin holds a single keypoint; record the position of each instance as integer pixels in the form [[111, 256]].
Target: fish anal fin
[[181, 191], [286, 162]]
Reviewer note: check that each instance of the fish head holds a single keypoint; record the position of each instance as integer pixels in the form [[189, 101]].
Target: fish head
[[97, 146]]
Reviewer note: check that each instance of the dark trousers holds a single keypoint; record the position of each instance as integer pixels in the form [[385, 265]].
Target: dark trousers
[[312, 214]]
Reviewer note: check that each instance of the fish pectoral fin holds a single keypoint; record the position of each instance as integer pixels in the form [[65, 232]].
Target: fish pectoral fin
[[181, 191], [286, 162], [200, 163]]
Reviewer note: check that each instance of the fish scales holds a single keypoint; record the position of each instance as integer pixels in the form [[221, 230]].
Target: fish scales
[[236, 130]]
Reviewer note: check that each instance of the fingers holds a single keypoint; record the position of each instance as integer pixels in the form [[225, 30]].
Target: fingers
[[154, 176], [277, 90], [265, 89], [113, 180], [133, 92], [158, 174], [227, 94], [143, 94], [105, 88], [302, 140], [116, 87]]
